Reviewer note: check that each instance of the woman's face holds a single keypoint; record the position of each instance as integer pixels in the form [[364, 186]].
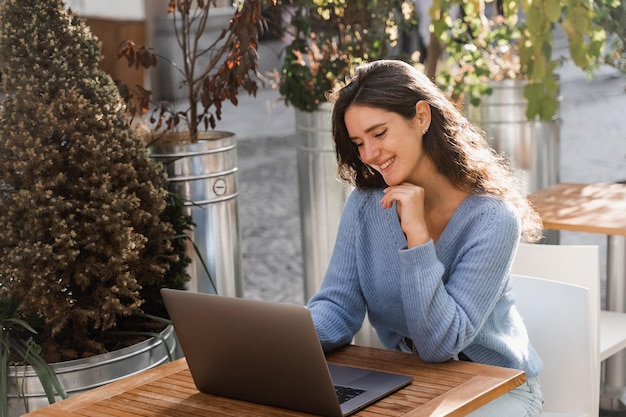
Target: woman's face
[[387, 142]]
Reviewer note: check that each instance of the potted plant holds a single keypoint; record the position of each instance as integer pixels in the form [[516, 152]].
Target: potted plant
[[501, 67], [212, 70], [90, 232], [612, 17], [489, 42], [201, 162], [329, 39]]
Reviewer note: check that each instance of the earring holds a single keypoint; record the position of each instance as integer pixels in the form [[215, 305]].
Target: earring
[[425, 131]]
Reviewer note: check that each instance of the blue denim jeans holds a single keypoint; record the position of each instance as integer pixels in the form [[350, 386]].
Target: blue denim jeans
[[524, 401]]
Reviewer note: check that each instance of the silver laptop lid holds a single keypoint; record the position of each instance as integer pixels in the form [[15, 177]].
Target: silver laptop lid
[[251, 350]]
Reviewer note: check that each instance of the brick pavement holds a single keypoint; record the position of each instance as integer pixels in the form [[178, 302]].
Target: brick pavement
[[270, 220]]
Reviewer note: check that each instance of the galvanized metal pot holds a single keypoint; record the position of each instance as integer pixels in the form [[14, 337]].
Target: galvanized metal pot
[[204, 174], [532, 145], [322, 198], [26, 393], [322, 193]]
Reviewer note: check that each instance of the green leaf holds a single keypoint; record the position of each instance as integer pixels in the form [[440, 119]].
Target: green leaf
[[539, 68], [4, 376], [596, 45], [45, 373], [549, 107], [509, 7], [581, 18], [439, 28], [550, 84], [552, 9], [532, 93], [578, 54], [568, 27], [21, 323], [542, 100], [533, 19]]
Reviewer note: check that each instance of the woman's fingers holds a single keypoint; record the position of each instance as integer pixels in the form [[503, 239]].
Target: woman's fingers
[[409, 200]]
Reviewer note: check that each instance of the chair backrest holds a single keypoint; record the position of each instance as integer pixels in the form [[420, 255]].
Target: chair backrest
[[573, 264], [557, 316]]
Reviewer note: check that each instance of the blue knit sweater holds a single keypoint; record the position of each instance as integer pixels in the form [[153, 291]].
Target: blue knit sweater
[[447, 297]]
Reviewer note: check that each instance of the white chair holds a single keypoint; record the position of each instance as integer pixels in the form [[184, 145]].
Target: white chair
[[578, 265], [558, 319]]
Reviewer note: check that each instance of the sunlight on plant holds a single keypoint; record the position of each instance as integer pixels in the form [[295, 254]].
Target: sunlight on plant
[[486, 44], [331, 38], [211, 73]]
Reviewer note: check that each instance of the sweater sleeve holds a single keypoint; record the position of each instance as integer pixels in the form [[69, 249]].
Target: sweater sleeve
[[445, 310], [338, 308]]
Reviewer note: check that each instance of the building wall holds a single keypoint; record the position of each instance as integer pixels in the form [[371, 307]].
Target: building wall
[[111, 33], [114, 21], [111, 9]]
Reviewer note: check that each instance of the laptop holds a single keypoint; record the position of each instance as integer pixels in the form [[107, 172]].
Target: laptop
[[268, 353]]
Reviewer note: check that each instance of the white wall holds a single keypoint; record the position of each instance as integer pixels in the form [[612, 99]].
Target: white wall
[[109, 9]]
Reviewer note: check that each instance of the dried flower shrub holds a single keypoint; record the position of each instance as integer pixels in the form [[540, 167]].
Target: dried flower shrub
[[211, 73], [80, 198]]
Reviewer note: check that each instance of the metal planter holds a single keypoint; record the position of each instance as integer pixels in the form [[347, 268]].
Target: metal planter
[[322, 193], [77, 376], [204, 174], [532, 145]]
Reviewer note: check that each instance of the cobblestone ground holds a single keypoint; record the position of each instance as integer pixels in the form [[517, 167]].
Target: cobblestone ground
[[270, 220]]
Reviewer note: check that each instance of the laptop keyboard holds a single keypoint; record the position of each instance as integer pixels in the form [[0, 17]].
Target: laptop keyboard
[[347, 393]]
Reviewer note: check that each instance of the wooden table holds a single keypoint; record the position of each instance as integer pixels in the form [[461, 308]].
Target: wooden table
[[452, 388], [594, 208]]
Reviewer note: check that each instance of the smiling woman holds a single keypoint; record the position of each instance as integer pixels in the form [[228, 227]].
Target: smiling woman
[[380, 136], [427, 237]]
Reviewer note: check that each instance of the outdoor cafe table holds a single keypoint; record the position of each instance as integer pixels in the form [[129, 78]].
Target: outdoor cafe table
[[594, 208], [452, 388]]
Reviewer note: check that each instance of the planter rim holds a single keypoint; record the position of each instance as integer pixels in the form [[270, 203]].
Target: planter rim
[[97, 360], [208, 142]]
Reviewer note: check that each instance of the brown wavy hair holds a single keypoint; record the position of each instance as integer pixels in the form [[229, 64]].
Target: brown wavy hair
[[458, 149]]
